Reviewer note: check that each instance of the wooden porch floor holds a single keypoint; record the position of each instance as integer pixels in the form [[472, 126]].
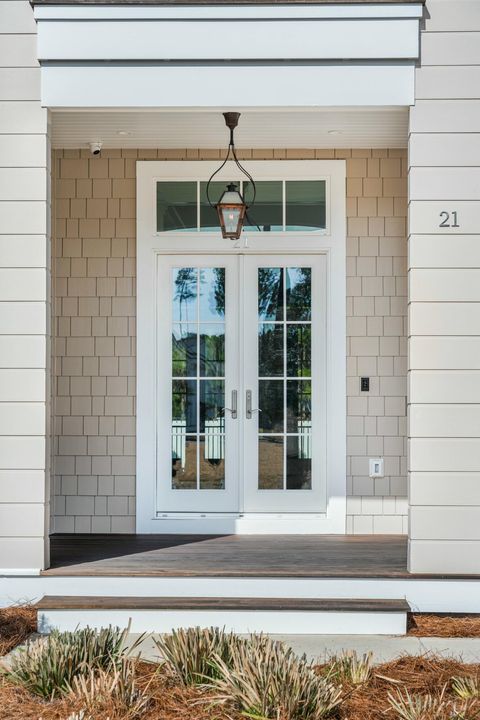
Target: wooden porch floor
[[379, 556]]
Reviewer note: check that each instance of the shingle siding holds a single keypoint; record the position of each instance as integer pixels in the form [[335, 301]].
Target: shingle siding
[[95, 334]]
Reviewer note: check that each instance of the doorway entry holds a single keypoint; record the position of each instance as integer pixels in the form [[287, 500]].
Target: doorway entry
[[241, 353], [241, 382]]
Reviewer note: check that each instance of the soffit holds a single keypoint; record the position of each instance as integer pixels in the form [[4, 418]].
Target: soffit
[[326, 128]]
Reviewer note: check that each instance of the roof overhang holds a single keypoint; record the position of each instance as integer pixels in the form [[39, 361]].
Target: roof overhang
[[132, 55]]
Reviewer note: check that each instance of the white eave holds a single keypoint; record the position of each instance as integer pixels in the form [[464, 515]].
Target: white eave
[[172, 56]]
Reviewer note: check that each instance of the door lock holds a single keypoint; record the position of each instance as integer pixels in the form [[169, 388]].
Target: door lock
[[233, 409], [248, 405]]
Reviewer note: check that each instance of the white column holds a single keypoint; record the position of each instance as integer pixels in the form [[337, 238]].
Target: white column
[[444, 294], [24, 296]]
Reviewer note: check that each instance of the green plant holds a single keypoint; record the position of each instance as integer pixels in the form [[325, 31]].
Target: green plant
[[266, 680], [349, 668], [190, 653], [418, 707], [48, 666], [117, 686], [466, 687]]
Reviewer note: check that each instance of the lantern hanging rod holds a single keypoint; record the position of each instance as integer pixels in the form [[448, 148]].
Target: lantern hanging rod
[[231, 121]]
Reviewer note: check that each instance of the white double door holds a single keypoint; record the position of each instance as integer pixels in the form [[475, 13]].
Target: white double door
[[241, 360]]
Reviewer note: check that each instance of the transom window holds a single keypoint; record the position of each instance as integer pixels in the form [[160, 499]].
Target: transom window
[[280, 205]]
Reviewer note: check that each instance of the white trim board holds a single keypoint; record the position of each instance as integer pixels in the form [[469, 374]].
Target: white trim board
[[150, 245], [423, 595], [252, 85], [240, 621]]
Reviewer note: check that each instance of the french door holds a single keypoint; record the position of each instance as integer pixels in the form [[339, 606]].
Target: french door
[[241, 360]]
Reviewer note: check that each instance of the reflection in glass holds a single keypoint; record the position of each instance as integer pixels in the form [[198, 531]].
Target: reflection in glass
[[299, 293], [299, 343], [212, 350], [299, 405], [184, 294], [212, 294], [270, 294], [184, 462], [184, 406], [212, 402], [270, 463], [267, 212], [299, 463], [176, 206], [270, 350], [305, 205], [208, 215], [212, 462], [184, 350], [270, 402]]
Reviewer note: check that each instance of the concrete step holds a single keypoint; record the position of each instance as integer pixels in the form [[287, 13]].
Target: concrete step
[[296, 616]]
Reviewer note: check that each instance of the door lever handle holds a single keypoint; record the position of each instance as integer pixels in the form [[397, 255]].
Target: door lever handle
[[248, 405], [233, 409]]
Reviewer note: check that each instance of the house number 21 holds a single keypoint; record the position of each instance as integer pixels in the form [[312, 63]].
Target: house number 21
[[449, 219]]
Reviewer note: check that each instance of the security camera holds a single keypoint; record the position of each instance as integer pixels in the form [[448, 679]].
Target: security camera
[[95, 147]]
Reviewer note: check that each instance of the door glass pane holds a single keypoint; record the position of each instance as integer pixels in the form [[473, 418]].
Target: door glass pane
[[212, 402], [184, 405], [270, 294], [299, 344], [284, 353], [184, 350], [212, 294], [267, 211], [299, 410], [270, 349], [299, 293], [270, 398], [212, 461], [299, 462], [305, 205], [212, 350], [185, 294], [176, 206], [270, 463], [198, 372], [184, 462]]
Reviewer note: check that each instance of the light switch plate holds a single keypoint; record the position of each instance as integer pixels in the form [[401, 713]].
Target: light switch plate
[[376, 467]]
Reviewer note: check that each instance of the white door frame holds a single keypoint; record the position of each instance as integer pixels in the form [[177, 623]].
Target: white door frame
[[151, 245]]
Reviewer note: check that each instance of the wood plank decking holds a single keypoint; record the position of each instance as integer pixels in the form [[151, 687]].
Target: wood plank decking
[[364, 556]]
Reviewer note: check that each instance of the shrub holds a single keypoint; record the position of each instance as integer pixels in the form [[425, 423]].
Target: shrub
[[351, 669], [265, 679], [466, 687], [116, 687], [191, 653], [48, 666]]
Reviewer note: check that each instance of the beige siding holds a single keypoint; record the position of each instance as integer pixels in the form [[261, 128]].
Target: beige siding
[[24, 304], [444, 301], [95, 335]]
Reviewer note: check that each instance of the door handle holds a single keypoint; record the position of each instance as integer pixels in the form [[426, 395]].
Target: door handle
[[248, 405], [233, 409]]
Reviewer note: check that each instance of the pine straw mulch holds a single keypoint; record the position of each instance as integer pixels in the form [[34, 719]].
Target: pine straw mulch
[[446, 626], [419, 675], [169, 701], [16, 624], [423, 675]]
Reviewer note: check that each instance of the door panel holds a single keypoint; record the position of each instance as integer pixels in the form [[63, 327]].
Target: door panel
[[284, 371], [197, 437]]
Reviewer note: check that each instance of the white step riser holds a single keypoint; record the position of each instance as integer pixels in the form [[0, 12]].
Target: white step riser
[[242, 621]]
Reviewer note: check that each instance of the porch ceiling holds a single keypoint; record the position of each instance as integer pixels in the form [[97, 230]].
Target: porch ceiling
[[326, 128]]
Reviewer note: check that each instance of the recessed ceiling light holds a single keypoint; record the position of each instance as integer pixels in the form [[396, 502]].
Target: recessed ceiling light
[[123, 132], [334, 132]]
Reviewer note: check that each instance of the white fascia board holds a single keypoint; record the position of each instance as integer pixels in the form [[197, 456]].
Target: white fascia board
[[242, 40], [227, 86], [182, 12]]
